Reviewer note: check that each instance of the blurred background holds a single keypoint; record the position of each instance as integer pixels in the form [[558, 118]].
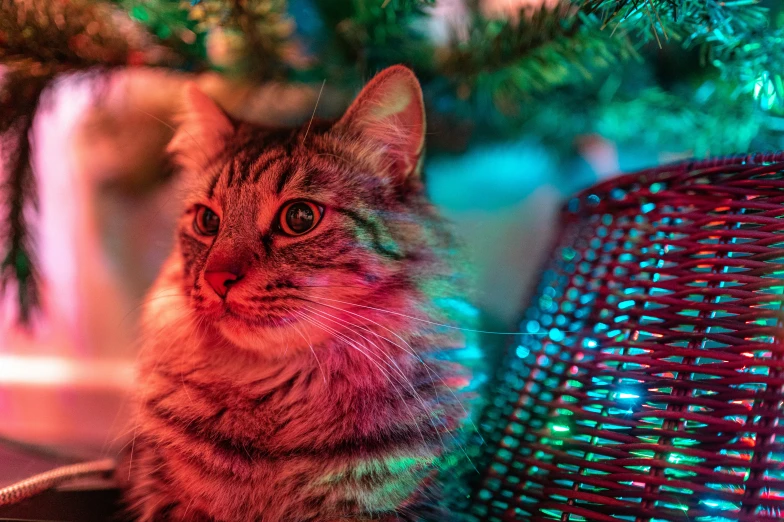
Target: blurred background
[[528, 101]]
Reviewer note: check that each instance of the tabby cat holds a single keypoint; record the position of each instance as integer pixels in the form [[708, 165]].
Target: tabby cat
[[295, 364]]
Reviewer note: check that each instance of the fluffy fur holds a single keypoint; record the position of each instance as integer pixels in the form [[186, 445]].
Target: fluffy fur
[[317, 390]]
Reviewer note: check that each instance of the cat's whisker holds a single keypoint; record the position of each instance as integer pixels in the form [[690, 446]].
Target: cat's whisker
[[133, 446], [108, 440], [289, 311], [328, 329], [314, 110], [148, 300], [354, 346], [310, 345], [187, 508], [418, 396], [432, 374], [412, 352], [123, 434], [386, 375], [410, 349], [182, 128], [143, 348], [353, 287], [352, 325], [142, 403], [399, 371], [332, 318], [419, 319], [331, 155], [182, 376]]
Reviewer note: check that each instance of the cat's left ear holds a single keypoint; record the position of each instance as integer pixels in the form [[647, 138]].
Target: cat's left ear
[[202, 130], [390, 112]]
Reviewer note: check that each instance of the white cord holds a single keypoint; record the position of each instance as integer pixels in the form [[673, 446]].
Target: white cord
[[37, 483]]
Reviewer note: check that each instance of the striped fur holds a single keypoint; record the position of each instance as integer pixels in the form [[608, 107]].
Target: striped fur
[[318, 390]]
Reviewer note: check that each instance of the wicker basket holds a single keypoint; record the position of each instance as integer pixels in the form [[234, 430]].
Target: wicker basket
[[649, 383]]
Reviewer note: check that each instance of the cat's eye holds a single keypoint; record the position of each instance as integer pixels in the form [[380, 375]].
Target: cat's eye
[[299, 217], [206, 222]]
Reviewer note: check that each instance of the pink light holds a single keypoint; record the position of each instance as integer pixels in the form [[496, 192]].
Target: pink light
[[59, 371]]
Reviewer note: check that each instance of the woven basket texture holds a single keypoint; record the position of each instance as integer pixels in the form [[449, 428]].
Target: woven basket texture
[[648, 382]]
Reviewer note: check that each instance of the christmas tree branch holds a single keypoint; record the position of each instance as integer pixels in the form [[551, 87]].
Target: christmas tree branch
[[44, 37], [533, 52], [265, 30], [534, 67], [172, 25], [39, 40], [376, 33], [506, 64], [699, 21], [733, 36], [20, 98]]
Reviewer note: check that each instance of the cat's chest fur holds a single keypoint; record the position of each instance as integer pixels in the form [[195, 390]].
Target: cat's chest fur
[[229, 433], [313, 403]]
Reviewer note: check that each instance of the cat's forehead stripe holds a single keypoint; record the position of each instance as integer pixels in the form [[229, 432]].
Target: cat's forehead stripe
[[285, 176], [240, 166], [214, 184], [265, 162], [215, 181], [248, 164], [232, 169]]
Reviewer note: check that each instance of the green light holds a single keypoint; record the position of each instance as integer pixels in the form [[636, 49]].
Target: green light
[[765, 91], [140, 13], [568, 254], [559, 428]]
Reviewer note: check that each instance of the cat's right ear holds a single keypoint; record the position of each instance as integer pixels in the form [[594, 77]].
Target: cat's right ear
[[202, 130]]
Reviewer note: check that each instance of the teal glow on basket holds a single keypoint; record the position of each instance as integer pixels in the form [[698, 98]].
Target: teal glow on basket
[[654, 393]]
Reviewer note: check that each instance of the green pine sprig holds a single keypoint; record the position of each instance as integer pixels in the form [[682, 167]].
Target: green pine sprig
[[19, 98], [267, 51], [532, 70], [535, 52], [40, 40]]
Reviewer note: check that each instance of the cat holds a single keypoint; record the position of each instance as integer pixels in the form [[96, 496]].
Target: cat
[[295, 364]]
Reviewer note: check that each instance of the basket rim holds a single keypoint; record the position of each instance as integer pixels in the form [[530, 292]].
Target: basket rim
[[685, 169]]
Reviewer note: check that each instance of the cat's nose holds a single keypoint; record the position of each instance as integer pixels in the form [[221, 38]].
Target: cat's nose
[[220, 282]]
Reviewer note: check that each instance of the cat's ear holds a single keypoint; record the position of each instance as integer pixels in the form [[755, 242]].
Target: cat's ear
[[390, 112], [202, 130]]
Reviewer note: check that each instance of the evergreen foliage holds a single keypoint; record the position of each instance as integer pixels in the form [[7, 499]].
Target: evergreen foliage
[[701, 74]]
